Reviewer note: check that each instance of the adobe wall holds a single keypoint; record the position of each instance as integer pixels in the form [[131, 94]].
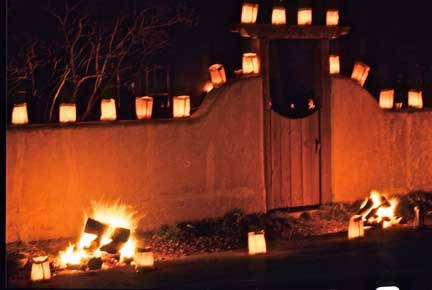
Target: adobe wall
[[170, 170], [375, 149]]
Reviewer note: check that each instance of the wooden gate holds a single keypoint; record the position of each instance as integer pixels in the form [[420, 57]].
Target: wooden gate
[[294, 144], [295, 162]]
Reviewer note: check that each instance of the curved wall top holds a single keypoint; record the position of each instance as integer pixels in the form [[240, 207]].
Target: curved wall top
[[169, 170], [376, 149]]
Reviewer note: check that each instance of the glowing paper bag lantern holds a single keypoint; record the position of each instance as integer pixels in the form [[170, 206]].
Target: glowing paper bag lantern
[[279, 15], [256, 243], [108, 110], [19, 114], [304, 16], [67, 112], [250, 63], [332, 17], [208, 86], [360, 72], [386, 99], [143, 107], [355, 227], [144, 259], [334, 64], [217, 74], [418, 221], [40, 269], [415, 99], [249, 13], [181, 106]]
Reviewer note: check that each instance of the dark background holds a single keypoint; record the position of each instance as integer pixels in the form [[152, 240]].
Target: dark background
[[393, 37]]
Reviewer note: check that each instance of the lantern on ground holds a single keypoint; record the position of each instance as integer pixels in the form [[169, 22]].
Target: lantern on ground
[[40, 269], [386, 99], [67, 112], [332, 17], [19, 114], [144, 258], [355, 227], [418, 221], [249, 13], [304, 16], [217, 75], [415, 99], [208, 86], [334, 64], [278, 15], [181, 106], [108, 110], [250, 63], [143, 107], [360, 72], [256, 243]]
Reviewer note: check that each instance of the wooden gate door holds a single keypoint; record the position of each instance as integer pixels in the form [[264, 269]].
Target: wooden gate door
[[295, 161], [295, 149]]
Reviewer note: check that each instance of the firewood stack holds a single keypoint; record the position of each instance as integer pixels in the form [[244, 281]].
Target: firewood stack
[[372, 212], [100, 254]]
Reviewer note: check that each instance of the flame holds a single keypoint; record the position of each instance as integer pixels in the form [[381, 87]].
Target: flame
[[115, 215], [128, 250], [385, 209]]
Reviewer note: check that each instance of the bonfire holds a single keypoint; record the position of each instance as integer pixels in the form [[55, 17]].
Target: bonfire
[[379, 210], [107, 240]]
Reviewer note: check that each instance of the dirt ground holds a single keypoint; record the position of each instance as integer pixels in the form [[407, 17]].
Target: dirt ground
[[397, 256]]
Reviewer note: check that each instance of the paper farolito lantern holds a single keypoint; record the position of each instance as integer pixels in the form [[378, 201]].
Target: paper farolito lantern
[[355, 227], [144, 259], [360, 73], [304, 16], [332, 17], [386, 99], [250, 63], [108, 110], [334, 64], [279, 15], [181, 106], [249, 13], [415, 99], [40, 269], [217, 75], [67, 112], [143, 107], [257, 243], [19, 114]]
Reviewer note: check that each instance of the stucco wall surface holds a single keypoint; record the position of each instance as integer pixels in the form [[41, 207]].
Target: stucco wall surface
[[169, 170], [376, 149]]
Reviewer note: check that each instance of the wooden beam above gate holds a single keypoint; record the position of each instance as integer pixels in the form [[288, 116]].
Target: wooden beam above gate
[[290, 32]]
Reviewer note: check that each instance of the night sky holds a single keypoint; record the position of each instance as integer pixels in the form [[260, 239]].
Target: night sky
[[393, 37]]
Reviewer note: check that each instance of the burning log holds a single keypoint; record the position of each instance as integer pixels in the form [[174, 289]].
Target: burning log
[[118, 239], [97, 228], [94, 227], [365, 207], [378, 211], [95, 263]]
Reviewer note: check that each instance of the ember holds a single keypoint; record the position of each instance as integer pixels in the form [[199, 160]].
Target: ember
[[107, 239], [377, 210]]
